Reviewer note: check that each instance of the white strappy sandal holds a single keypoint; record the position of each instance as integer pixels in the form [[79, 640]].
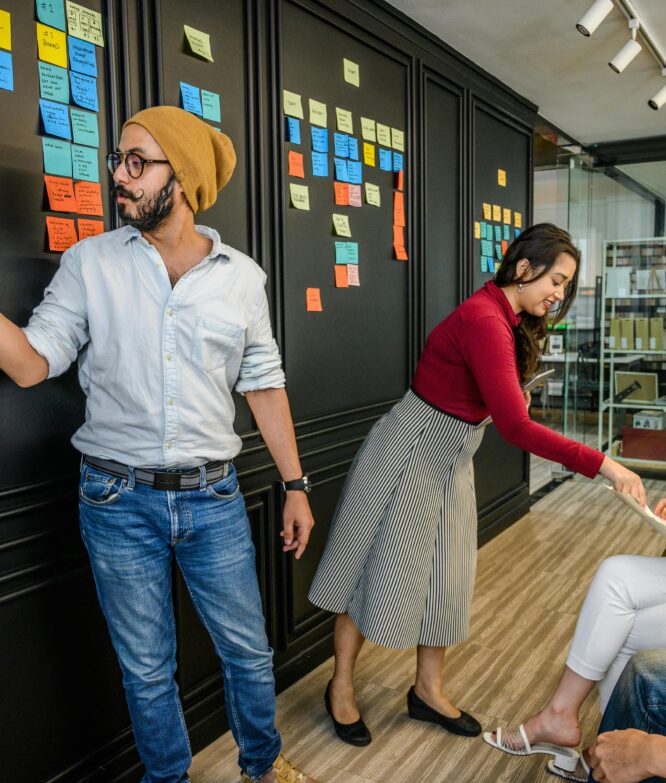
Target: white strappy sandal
[[582, 775], [566, 759]]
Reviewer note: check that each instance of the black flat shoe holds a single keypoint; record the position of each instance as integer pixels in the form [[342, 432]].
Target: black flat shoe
[[356, 733], [465, 725]]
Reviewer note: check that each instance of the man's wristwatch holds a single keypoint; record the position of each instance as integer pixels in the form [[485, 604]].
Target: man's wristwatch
[[302, 484]]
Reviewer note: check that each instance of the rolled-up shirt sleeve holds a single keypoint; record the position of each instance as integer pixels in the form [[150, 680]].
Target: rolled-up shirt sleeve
[[261, 366], [58, 327]]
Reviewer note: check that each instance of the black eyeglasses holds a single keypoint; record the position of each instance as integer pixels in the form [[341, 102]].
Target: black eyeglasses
[[133, 163]]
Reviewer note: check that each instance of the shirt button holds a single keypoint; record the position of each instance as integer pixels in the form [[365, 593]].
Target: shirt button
[[157, 266], [170, 402], [168, 357], [170, 312], [168, 445]]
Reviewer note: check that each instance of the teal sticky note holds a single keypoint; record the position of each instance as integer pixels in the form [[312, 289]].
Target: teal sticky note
[[482, 230], [57, 157], [6, 71], [53, 82], [507, 232], [55, 117], [352, 252], [341, 253], [191, 97], [486, 248], [82, 57], [484, 264], [84, 163], [397, 161], [210, 105], [84, 127], [498, 233], [498, 252], [51, 12], [84, 90]]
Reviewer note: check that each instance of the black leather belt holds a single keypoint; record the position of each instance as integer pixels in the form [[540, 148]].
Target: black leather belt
[[162, 479]]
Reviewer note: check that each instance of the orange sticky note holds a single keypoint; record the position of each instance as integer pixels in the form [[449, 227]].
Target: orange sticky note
[[400, 252], [352, 274], [398, 209], [90, 228], [398, 235], [400, 180], [341, 193], [89, 198], [62, 233], [313, 300], [505, 246], [61, 193], [296, 164], [341, 280]]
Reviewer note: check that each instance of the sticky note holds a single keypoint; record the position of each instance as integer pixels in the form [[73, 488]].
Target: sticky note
[[398, 209], [477, 230], [341, 170], [352, 274], [516, 232], [319, 139], [383, 135], [353, 148], [506, 216], [341, 252], [90, 228], [505, 246], [6, 30], [397, 139], [368, 154], [82, 56], [352, 252], [296, 164], [399, 243], [385, 160], [84, 127], [199, 42], [6, 71], [318, 113], [341, 191], [300, 196], [210, 105], [84, 23], [344, 119], [484, 264], [51, 12], [397, 161], [497, 213], [292, 104], [487, 212], [507, 232], [368, 131], [88, 198], [57, 157], [51, 45], [53, 82], [341, 276], [518, 219], [501, 177], [341, 225], [355, 172], [498, 233], [498, 251], [60, 191], [191, 98], [340, 145], [319, 164], [55, 117], [62, 233], [84, 90], [293, 131], [352, 72], [84, 163], [372, 195], [400, 180], [313, 300], [355, 196], [482, 230]]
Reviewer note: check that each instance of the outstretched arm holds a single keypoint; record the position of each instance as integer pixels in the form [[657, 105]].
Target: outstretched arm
[[18, 358]]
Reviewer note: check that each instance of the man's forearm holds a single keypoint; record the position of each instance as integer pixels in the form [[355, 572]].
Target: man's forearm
[[657, 755], [18, 358], [270, 408]]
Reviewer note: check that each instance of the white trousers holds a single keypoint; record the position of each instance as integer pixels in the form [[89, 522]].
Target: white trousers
[[624, 611]]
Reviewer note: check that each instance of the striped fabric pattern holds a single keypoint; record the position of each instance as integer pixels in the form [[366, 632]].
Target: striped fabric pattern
[[401, 552]]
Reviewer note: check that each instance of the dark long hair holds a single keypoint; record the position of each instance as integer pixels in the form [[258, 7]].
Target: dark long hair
[[540, 245]]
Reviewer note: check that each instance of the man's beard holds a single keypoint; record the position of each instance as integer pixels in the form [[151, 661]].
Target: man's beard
[[151, 214]]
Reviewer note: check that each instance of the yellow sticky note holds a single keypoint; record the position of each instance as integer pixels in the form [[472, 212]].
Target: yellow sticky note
[[84, 23], [506, 216], [383, 135], [5, 30], [199, 42], [300, 196], [318, 113], [51, 45], [341, 225], [501, 177], [372, 195], [291, 102], [368, 129], [477, 230], [497, 213], [345, 123], [487, 212], [368, 154], [352, 72], [518, 219], [397, 139]]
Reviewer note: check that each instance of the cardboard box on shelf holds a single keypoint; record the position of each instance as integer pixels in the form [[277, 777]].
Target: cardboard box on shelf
[[642, 337], [614, 334], [649, 420], [627, 334], [643, 444], [657, 334]]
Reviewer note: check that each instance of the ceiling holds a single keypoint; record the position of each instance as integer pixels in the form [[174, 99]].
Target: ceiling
[[534, 48]]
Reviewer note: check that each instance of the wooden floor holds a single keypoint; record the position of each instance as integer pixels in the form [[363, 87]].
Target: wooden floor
[[531, 581]]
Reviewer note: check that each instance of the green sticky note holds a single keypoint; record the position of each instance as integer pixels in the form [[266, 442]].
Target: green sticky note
[[84, 163], [57, 157], [210, 103], [199, 42], [84, 127]]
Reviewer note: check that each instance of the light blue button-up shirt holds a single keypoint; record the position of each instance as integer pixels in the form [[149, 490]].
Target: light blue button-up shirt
[[157, 364]]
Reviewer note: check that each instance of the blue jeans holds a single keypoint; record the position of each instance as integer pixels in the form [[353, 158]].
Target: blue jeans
[[132, 533], [639, 698]]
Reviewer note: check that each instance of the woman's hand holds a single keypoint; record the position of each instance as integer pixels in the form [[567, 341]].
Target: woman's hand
[[623, 479], [528, 398], [660, 509]]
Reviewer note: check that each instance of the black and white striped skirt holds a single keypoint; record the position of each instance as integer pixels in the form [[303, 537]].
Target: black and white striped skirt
[[401, 552]]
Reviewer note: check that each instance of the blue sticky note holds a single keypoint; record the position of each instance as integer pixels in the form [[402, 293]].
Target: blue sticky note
[[341, 170], [397, 161], [498, 233], [55, 117], [57, 157], [341, 145], [293, 130], [319, 139], [84, 90], [82, 57], [341, 253], [53, 82], [385, 160], [84, 127], [353, 148], [484, 264], [191, 98], [210, 104], [516, 232], [6, 72], [84, 163], [52, 12], [507, 232], [498, 252], [355, 172], [352, 252], [319, 164]]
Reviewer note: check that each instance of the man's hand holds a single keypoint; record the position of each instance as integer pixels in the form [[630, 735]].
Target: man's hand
[[297, 522], [660, 509], [625, 756]]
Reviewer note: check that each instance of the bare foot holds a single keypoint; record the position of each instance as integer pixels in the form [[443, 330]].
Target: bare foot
[[343, 703], [438, 701], [548, 725]]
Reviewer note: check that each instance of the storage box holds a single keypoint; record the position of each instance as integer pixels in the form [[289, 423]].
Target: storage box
[[657, 334], [555, 388], [614, 334], [649, 420], [627, 334], [644, 444], [642, 337]]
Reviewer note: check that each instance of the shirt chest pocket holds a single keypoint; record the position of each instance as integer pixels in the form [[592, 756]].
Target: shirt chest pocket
[[216, 344]]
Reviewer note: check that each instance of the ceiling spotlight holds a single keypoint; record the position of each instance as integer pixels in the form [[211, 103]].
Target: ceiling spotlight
[[658, 100], [628, 51], [594, 17]]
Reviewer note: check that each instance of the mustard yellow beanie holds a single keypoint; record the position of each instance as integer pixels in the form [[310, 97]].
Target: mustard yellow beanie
[[203, 159]]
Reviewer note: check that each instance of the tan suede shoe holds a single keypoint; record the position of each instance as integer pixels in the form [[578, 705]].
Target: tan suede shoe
[[283, 772]]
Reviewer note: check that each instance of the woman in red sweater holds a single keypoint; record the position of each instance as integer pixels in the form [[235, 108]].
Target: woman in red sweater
[[400, 561]]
